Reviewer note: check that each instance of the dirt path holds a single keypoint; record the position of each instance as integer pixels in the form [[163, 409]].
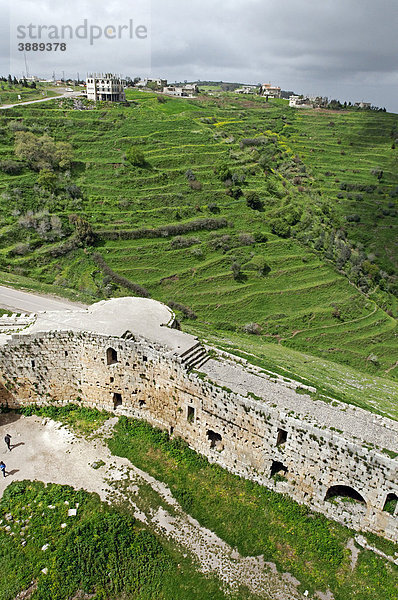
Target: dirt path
[[46, 451]]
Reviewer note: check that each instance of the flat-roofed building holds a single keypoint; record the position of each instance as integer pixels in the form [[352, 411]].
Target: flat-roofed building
[[105, 87]]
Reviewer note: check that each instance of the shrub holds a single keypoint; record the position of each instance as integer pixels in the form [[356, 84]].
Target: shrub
[[252, 328], [135, 157], [234, 191], [195, 185], [223, 172], [42, 152], [246, 239], [183, 242], [118, 279], [236, 270], [355, 218], [280, 227], [258, 141], [11, 167], [190, 175], [253, 201], [186, 311], [166, 230], [47, 179]]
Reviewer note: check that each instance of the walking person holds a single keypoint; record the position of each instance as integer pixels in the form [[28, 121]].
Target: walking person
[[3, 468], [7, 439]]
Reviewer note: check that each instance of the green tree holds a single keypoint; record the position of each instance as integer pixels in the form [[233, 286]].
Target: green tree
[[42, 152], [136, 157], [47, 179], [253, 201]]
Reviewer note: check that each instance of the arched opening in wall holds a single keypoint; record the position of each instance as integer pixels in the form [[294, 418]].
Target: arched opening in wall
[[344, 491], [281, 437], [215, 439], [117, 400], [391, 503], [278, 468], [111, 356]]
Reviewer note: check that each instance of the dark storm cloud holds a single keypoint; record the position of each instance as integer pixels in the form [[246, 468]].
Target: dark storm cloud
[[339, 48]]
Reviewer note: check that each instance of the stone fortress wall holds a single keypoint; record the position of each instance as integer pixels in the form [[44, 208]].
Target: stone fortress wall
[[259, 429]]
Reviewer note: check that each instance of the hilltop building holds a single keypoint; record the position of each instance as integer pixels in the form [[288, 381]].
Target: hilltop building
[[148, 82], [247, 89], [105, 87], [270, 91], [308, 101], [189, 90]]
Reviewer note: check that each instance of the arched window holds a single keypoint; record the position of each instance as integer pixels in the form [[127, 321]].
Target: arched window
[[344, 491], [391, 503], [111, 356]]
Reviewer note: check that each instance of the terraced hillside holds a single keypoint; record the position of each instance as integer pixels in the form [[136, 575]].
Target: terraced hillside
[[276, 228]]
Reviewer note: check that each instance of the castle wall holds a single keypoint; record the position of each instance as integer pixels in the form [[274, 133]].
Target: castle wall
[[250, 437]]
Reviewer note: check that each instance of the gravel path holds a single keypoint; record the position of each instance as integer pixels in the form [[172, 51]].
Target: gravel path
[[46, 451]]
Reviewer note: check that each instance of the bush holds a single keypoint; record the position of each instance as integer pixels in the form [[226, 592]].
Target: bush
[[186, 311], [234, 192], [135, 157], [253, 201], [190, 175], [118, 279], [195, 185], [11, 167], [223, 172], [252, 328], [42, 152], [236, 270], [47, 180], [183, 242], [280, 227], [208, 224]]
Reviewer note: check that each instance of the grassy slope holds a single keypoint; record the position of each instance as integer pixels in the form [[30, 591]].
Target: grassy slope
[[294, 304], [9, 94], [102, 551]]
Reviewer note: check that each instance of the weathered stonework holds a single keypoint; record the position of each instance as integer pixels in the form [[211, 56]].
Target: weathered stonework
[[281, 439]]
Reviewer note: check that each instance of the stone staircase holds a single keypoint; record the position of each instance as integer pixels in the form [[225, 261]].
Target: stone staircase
[[15, 322], [195, 357]]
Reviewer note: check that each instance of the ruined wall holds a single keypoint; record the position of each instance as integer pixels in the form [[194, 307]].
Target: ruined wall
[[247, 436]]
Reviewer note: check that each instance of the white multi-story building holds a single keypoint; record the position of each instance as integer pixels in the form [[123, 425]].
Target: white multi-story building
[[105, 87]]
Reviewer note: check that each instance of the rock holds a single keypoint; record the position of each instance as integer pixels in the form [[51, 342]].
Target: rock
[[45, 570], [72, 512], [44, 548]]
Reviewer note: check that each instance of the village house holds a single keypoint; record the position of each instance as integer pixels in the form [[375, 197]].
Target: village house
[[148, 82], [270, 91], [188, 90], [247, 89], [105, 87]]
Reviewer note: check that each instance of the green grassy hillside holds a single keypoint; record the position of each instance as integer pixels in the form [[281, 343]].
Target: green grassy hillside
[[313, 268]]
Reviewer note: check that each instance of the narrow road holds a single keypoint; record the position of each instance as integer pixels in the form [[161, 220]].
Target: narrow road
[[28, 302], [65, 95]]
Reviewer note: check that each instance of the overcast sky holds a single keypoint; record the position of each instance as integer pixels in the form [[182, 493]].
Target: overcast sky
[[344, 49]]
